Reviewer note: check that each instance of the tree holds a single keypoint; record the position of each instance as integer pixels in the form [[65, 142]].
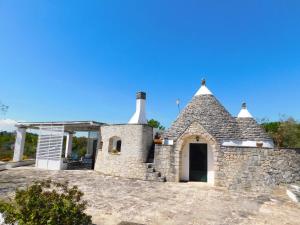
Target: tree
[[7, 140], [289, 134], [155, 124], [285, 133], [79, 146], [46, 202]]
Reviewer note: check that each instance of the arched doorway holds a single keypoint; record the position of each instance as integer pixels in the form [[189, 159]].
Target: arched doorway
[[197, 160]]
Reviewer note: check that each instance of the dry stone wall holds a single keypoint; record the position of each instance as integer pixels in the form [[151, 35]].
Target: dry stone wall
[[256, 168], [240, 168], [237, 168], [162, 161]]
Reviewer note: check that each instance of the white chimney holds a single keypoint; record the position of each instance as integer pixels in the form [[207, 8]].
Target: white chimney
[[139, 117], [244, 113]]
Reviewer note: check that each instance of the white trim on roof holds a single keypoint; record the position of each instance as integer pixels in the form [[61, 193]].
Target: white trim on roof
[[244, 113], [203, 90], [252, 144]]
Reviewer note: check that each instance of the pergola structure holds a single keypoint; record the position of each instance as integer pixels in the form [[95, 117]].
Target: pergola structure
[[50, 141]]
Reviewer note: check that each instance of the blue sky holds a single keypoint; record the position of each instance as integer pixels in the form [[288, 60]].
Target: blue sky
[[84, 60]]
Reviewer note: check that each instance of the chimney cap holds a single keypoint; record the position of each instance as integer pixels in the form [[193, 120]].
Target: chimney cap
[[141, 95]]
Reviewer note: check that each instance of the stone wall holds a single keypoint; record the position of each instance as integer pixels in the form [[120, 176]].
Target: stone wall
[[240, 168], [162, 161], [284, 166], [237, 168], [256, 168], [130, 162]]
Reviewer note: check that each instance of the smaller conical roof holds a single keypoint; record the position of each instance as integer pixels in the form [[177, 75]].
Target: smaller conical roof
[[249, 128]]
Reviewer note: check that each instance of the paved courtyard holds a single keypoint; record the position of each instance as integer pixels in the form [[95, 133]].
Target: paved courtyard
[[114, 200]]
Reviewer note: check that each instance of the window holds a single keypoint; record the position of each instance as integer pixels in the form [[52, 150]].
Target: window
[[118, 147], [115, 144]]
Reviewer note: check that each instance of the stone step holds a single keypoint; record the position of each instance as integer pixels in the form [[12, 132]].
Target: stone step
[[150, 165], [162, 179], [154, 177], [150, 170], [293, 191], [158, 174], [152, 174]]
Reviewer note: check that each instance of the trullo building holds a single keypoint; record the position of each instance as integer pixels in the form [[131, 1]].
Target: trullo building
[[205, 143]]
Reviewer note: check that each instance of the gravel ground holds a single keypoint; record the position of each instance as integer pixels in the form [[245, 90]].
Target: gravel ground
[[114, 200]]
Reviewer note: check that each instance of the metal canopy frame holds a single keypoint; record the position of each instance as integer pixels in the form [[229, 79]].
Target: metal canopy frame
[[69, 126], [51, 136]]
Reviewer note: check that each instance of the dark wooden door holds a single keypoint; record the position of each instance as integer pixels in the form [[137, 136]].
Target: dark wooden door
[[198, 162]]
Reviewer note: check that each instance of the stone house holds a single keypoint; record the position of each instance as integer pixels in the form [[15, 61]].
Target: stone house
[[205, 143]]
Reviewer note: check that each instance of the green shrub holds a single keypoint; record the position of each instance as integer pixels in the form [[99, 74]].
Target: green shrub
[[285, 133], [46, 202], [6, 155], [155, 124]]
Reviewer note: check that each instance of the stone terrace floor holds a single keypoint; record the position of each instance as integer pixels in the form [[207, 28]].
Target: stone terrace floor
[[113, 200]]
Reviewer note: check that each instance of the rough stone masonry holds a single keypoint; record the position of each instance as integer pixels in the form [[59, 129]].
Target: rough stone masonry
[[240, 154]]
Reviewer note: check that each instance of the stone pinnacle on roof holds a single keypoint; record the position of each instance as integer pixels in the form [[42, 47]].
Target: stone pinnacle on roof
[[244, 113], [203, 89]]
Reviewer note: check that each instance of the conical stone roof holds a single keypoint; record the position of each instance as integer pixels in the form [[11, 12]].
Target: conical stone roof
[[206, 110], [209, 113], [251, 130]]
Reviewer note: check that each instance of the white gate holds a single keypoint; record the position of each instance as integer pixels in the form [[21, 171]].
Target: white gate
[[49, 149]]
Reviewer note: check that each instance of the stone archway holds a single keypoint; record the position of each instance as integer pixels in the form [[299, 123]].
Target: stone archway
[[195, 133]]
